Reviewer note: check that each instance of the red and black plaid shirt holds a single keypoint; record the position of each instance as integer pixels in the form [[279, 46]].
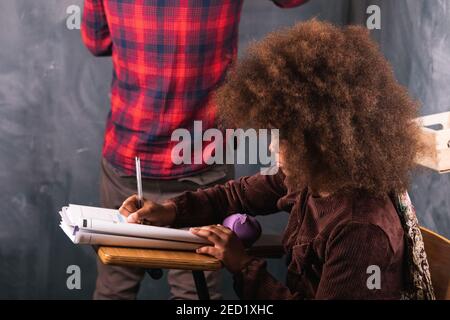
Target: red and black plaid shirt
[[168, 57]]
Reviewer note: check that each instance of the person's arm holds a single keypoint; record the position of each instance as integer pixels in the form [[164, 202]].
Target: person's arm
[[251, 278], [254, 195], [289, 3], [349, 253], [94, 28]]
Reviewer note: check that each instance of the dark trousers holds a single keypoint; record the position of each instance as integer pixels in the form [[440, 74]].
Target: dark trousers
[[116, 282]]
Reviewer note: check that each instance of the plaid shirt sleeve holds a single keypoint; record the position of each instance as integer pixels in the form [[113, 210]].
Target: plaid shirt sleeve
[[94, 29], [289, 3]]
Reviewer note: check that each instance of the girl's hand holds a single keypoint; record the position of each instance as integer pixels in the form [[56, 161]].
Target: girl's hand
[[227, 247], [151, 212]]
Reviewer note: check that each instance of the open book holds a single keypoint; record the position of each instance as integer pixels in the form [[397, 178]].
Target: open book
[[99, 226]]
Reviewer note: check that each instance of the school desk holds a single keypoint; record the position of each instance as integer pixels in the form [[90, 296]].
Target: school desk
[[268, 246]]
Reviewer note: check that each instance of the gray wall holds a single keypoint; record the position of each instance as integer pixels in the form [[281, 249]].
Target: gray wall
[[53, 103]]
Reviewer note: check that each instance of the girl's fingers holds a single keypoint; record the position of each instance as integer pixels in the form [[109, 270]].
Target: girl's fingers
[[221, 231], [212, 251], [140, 215], [208, 234], [224, 229], [129, 206], [133, 218]]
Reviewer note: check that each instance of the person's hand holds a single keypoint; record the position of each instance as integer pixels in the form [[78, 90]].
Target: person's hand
[[151, 212], [226, 246]]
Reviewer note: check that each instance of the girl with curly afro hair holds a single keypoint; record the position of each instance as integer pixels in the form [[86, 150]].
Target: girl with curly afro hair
[[347, 142], [344, 120]]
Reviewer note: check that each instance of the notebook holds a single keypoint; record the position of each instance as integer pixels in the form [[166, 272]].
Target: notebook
[[100, 226]]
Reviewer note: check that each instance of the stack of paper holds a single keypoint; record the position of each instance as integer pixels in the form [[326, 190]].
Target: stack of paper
[[99, 226]]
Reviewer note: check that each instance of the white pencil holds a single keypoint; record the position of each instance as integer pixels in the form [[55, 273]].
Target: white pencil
[[139, 182]]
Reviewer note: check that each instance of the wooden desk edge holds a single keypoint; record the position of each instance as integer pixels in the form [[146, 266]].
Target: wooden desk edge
[[208, 264]]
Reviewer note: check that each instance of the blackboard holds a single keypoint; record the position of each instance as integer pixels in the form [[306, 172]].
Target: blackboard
[[53, 104]]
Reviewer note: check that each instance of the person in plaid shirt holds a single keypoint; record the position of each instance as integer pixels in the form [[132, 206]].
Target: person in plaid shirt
[[168, 57]]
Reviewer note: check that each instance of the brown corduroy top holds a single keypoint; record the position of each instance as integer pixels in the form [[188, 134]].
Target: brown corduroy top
[[338, 247]]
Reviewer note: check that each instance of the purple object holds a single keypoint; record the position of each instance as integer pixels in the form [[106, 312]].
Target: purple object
[[247, 228]]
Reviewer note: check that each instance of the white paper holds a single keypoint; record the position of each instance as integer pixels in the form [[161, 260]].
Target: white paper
[[110, 221], [99, 226], [82, 237]]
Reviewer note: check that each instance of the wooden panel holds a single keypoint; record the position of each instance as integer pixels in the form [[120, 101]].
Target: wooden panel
[[148, 258], [437, 141], [437, 249]]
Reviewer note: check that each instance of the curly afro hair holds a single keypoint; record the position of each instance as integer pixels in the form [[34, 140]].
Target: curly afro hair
[[345, 121]]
